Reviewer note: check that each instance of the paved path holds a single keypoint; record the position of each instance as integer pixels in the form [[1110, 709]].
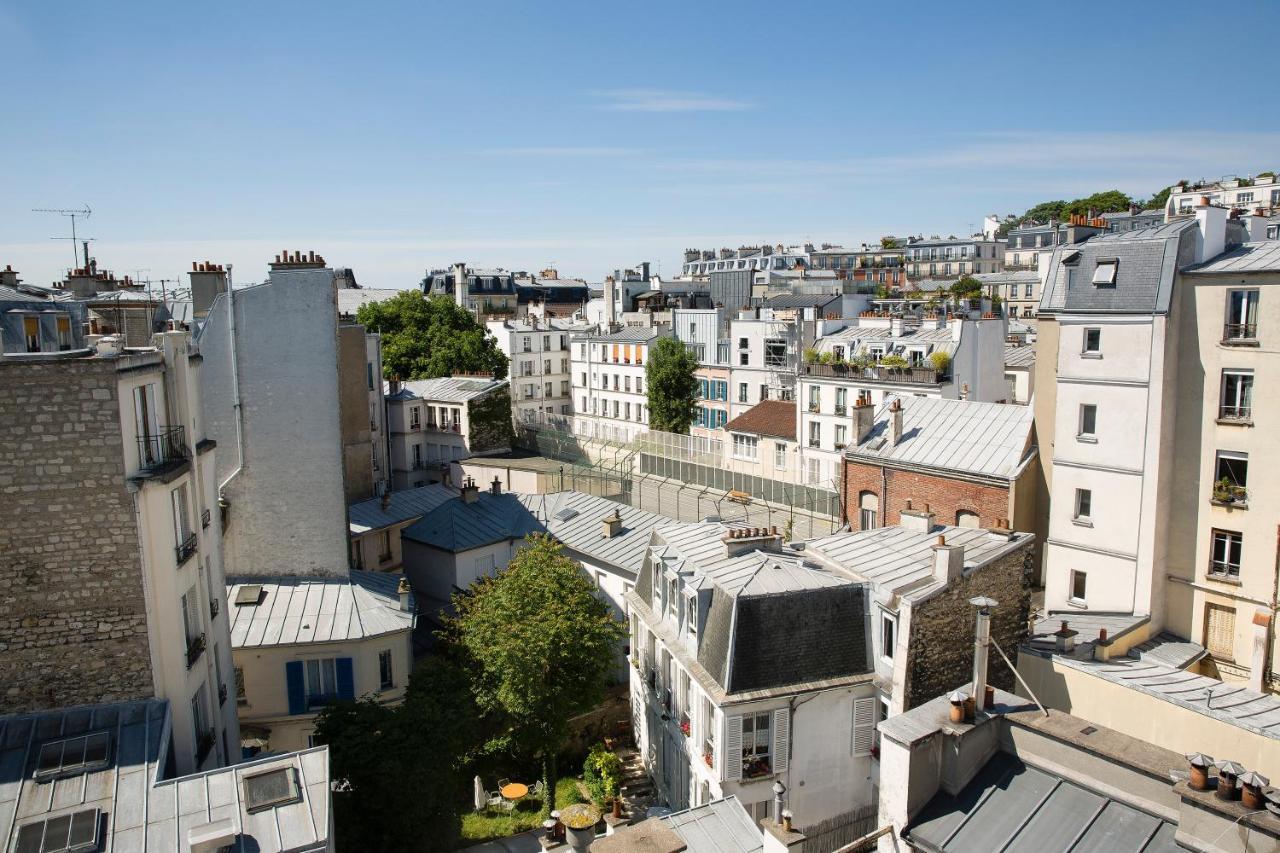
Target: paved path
[[525, 842]]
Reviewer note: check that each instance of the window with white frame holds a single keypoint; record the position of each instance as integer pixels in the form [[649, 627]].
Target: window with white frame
[[1084, 505], [1237, 395], [815, 434], [691, 618], [321, 681], [1092, 342], [1104, 274], [868, 510], [1224, 557], [1088, 421], [1242, 315], [757, 745], [888, 630], [779, 455], [745, 447], [1079, 584]]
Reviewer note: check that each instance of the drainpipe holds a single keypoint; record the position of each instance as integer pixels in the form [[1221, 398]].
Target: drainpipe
[[235, 381]]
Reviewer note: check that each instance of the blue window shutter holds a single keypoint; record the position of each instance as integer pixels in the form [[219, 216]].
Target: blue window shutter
[[346, 679], [297, 689]]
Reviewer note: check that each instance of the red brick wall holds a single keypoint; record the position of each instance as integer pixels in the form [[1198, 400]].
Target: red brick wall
[[945, 496]]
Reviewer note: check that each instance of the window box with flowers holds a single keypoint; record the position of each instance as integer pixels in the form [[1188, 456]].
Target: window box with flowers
[[685, 728]]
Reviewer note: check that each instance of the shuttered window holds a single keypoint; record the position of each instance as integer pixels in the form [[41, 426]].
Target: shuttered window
[[781, 739], [1220, 630], [864, 725], [732, 748]]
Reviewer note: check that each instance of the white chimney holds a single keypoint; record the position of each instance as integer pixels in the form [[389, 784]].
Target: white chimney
[[211, 837], [948, 561], [1212, 222], [895, 422], [1255, 226], [460, 285], [1261, 633], [403, 590], [610, 303], [981, 639], [915, 520]]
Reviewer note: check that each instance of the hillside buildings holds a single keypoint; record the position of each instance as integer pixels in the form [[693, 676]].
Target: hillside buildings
[[1247, 194], [487, 293]]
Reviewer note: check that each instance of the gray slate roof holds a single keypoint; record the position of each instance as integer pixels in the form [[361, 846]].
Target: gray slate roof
[[404, 505], [1251, 257], [721, 826], [1013, 806], [449, 389], [294, 611], [456, 525], [1149, 258], [802, 300], [575, 519], [963, 436], [900, 561], [1019, 356], [629, 334], [144, 812]]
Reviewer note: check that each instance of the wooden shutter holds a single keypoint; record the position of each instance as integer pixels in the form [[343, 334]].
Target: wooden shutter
[[346, 678], [731, 758], [781, 739], [297, 689], [864, 725], [1220, 631]]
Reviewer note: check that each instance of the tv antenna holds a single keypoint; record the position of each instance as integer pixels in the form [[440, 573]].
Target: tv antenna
[[83, 213]]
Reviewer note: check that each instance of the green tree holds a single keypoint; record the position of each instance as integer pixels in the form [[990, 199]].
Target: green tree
[[889, 243], [543, 646], [428, 337], [1108, 201], [673, 388], [1159, 200], [941, 362], [966, 288], [401, 769]]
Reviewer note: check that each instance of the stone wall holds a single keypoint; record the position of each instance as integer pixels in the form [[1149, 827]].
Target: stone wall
[[940, 646], [73, 625], [945, 495]]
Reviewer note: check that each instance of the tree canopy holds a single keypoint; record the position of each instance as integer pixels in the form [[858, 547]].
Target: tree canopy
[[542, 644], [428, 337], [673, 388], [966, 288], [1107, 201]]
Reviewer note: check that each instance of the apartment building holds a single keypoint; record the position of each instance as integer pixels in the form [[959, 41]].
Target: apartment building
[[1027, 245], [548, 295], [761, 442], [487, 293], [364, 432], [1133, 219], [609, 382], [376, 524], [971, 463], [1018, 290], [102, 777], [702, 262], [1146, 397], [877, 265], [303, 643], [1020, 372], [538, 352], [763, 354], [111, 550], [433, 422], [954, 257], [1262, 190]]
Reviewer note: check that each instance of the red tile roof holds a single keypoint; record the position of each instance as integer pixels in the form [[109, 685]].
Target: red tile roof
[[768, 417]]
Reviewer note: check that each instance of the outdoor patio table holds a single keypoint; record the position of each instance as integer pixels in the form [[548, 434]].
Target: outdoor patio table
[[514, 790]]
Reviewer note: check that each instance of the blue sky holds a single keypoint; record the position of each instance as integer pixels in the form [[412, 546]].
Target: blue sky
[[395, 137]]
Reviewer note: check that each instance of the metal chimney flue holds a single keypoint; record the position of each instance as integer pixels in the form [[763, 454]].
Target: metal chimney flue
[[981, 641]]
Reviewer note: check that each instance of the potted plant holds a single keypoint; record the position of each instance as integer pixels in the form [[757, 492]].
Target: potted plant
[[685, 728]]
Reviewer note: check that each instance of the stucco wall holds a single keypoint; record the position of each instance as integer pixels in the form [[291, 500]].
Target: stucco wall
[[287, 351]]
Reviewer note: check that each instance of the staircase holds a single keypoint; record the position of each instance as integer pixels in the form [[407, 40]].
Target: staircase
[[637, 787]]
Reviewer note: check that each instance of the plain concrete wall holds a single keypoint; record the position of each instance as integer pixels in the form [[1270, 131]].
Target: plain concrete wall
[[357, 417], [288, 514]]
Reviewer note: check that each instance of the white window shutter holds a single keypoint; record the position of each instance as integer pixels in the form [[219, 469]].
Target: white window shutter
[[781, 739], [731, 760], [864, 725]]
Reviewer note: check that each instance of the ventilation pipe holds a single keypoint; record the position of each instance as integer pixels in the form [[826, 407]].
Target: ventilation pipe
[[981, 639]]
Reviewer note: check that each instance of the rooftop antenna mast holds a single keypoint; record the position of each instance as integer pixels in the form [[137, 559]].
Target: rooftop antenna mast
[[83, 213]]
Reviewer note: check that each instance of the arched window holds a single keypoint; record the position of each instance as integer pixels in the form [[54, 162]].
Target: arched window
[[868, 510], [965, 518]]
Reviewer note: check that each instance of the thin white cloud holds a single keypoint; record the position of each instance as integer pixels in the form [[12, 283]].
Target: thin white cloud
[[666, 101], [560, 151]]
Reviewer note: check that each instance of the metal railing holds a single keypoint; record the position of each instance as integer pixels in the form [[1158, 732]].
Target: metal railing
[[186, 548], [162, 449], [910, 375], [1223, 568], [1235, 413], [1239, 331], [195, 648], [205, 518]]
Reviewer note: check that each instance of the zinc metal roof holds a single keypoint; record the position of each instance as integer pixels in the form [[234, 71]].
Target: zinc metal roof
[[296, 611], [1019, 356], [967, 436], [1015, 807], [144, 812], [457, 526], [575, 519], [404, 505], [701, 548], [628, 334], [1009, 276], [1251, 257], [449, 389], [802, 300], [900, 561], [721, 826], [351, 298]]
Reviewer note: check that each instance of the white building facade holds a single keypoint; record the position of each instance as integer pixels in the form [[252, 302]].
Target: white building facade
[[609, 386]]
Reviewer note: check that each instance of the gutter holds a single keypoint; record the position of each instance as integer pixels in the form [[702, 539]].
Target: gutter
[[235, 382]]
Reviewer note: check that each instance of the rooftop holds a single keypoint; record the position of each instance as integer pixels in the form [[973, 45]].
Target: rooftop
[[351, 298], [721, 826], [1008, 277], [801, 300], [140, 810], [449, 389], [1251, 257], [768, 417], [628, 334], [900, 560], [456, 525], [292, 611], [574, 518], [402, 506], [952, 436], [1019, 356]]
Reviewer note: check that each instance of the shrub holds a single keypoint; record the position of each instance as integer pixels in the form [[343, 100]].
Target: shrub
[[810, 356], [894, 362], [602, 773], [941, 361]]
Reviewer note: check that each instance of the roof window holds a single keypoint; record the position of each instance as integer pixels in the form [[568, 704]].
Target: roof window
[[271, 789], [72, 756], [248, 595], [70, 833], [1104, 274]]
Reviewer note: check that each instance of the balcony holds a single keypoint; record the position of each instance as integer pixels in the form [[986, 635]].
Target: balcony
[[214, 609], [186, 548], [415, 427], [195, 648], [1240, 334], [896, 375], [204, 745], [708, 753], [162, 452], [205, 518], [815, 407], [841, 410], [815, 442]]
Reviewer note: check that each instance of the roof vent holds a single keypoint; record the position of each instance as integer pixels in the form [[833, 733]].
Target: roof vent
[[248, 595]]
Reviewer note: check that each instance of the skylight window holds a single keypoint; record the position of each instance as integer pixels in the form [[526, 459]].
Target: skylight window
[[271, 789], [565, 514], [72, 833], [72, 756], [1104, 274], [248, 595]]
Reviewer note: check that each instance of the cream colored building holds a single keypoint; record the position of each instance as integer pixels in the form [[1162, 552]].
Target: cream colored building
[[375, 524], [433, 422], [301, 643]]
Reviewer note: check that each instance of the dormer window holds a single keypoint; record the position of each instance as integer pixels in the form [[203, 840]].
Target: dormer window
[[1104, 274], [691, 608], [673, 600]]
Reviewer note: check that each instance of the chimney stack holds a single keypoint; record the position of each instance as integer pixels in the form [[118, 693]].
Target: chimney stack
[[981, 639], [403, 590], [1212, 224], [1200, 764], [1251, 786], [460, 285], [1065, 639], [740, 540], [393, 385], [386, 500], [1229, 773], [470, 492], [863, 418], [611, 524], [916, 520], [948, 561], [495, 488], [895, 422]]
